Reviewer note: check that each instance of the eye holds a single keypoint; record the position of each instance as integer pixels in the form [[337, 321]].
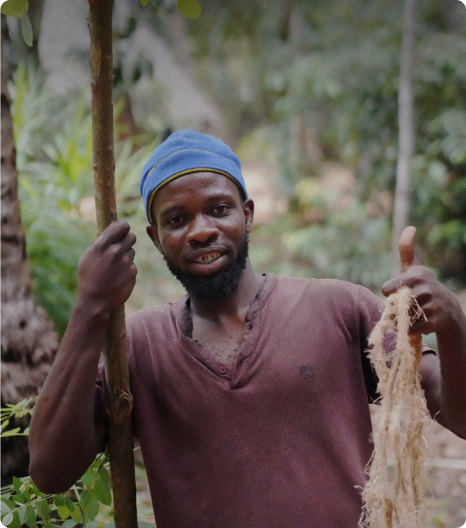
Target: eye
[[174, 220], [221, 209]]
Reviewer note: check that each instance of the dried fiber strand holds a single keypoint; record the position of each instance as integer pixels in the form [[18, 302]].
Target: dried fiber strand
[[394, 497]]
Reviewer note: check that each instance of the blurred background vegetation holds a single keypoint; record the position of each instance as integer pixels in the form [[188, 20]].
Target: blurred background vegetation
[[305, 92]]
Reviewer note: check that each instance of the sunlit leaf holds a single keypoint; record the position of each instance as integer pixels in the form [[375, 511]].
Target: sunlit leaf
[[76, 514], [7, 519], [26, 29], [22, 513], [11, 432], [9, 9], [63, 512], [189, 8]]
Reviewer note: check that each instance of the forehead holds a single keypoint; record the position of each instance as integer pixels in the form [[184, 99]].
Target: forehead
[[192, 187]]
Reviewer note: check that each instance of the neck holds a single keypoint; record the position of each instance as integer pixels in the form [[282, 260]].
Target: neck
[[237, 304]]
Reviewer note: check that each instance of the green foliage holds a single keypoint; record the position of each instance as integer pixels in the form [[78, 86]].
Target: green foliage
[[54, 160], [23, 504], [13, 411], [188, 8], [324, 84], [18, 9]]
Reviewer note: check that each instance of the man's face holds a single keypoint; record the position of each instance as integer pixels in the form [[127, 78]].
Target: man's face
[[201, 227]]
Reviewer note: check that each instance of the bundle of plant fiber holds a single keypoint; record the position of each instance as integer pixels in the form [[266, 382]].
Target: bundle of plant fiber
[[394, 497]]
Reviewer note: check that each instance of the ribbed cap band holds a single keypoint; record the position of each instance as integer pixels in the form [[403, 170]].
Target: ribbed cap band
[[184, 152]]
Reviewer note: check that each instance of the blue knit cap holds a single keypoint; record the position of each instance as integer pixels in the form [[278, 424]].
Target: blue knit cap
[[184, 152]]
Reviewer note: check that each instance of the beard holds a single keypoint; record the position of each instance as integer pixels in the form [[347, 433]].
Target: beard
[[218, 286]]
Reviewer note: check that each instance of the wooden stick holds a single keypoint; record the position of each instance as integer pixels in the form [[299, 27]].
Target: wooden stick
[[116, 361]]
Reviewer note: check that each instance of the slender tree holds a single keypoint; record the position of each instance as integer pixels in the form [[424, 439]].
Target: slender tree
[[29, 341], [402, 201], [116, 362]]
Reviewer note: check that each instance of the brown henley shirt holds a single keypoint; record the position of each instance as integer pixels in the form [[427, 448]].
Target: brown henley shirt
[[281, 440]]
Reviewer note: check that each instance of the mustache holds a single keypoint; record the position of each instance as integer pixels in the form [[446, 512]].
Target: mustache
[[219, 285]]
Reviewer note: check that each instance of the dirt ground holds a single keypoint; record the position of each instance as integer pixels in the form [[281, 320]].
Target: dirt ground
[[448, 499]]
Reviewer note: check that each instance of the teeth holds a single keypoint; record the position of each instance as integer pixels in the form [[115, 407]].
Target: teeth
[[207, 259]]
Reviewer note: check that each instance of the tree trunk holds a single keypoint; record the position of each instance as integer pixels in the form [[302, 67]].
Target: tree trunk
[[116, 361], [29, 342], [402, 202]]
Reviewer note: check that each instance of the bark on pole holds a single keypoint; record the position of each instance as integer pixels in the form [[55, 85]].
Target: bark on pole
[[116, 362], [402, 201]]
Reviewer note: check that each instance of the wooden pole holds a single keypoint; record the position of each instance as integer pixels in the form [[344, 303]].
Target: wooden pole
[[116, 361], [406, 133]]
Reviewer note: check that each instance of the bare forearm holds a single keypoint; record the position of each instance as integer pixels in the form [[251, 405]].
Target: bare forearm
[[452, 352], [63, 425]]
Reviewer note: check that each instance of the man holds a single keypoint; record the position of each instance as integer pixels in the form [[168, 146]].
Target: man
[[251, 392]]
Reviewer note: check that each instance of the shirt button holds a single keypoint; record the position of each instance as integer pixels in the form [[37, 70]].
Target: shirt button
[[222, 369]]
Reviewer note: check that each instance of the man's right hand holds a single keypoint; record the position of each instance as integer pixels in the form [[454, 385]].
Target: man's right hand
[[106, 272]]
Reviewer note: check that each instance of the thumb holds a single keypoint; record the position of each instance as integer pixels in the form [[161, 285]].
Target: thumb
[[406, 248]]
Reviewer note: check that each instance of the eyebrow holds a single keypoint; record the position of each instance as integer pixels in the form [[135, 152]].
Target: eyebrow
[[178, 207]]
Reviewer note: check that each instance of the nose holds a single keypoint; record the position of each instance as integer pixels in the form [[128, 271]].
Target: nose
[[202, 229]]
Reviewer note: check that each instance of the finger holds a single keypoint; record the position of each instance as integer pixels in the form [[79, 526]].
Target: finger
[[115, 232], [391, 286], [128, 242], [131, 254], [406, 249]]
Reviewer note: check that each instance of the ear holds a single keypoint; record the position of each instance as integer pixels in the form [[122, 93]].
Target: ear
[[153, 233], [248, 209]]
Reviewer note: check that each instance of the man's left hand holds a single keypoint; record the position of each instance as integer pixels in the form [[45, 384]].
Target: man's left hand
[[437, 302]]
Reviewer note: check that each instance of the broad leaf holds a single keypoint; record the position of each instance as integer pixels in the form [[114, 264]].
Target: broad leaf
[[22, 512], [76, 514], [102, 492], [8, 9], [63, 512], [43, 509], [104, 475], [69, 504], [189, 8], [7, 519], [26, 29], [84, 498], [31, 517]]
